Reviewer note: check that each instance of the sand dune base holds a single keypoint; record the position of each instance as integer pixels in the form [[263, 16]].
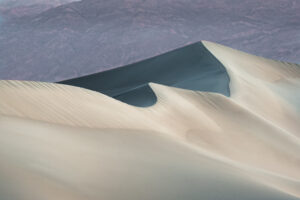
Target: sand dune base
[[64, 142]]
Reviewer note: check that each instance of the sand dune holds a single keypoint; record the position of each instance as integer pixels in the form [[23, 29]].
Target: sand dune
[[65, 142], [192, 67], [267, 87]]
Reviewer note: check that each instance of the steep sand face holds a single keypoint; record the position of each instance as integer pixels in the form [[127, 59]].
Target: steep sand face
[[192, 67], [73, 143], [268, 88]]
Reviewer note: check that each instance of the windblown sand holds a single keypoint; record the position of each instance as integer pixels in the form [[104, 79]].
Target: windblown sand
[[68, 143]]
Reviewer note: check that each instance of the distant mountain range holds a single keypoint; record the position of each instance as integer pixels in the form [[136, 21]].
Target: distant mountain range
[[19, 8], [57, 40]]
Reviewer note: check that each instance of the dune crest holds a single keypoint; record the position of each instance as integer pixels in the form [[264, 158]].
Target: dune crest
[[251, 136], [257, 83]]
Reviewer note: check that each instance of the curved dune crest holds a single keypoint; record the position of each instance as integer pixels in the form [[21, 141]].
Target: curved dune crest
[[269, 88], [191, 67], [73, 143]]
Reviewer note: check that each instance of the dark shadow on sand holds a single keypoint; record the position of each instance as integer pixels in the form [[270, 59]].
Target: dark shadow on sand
[[191, 67]]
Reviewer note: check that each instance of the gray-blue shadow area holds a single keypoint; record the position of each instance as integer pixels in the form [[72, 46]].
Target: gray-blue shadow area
[[191, 67]]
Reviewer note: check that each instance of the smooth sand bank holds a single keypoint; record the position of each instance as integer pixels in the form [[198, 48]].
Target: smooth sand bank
[[65, 142]]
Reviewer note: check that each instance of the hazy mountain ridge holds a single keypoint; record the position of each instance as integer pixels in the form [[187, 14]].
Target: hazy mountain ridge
[[85, 37], [12, 9]]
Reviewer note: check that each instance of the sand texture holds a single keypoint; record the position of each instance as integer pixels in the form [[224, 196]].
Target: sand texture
[[69, 143]]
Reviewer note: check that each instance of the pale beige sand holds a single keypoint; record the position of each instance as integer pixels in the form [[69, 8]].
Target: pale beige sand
[[63, 142], [268, 88]]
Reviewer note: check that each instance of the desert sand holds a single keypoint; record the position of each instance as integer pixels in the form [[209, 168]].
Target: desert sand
[[192, 67], [65, 142]]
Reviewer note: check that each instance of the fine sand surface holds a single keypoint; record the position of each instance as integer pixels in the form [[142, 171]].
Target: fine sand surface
[[65, 142]]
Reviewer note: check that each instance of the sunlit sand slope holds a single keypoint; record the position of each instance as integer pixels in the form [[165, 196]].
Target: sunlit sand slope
[[268, 88], [65, 142], [48, 161]]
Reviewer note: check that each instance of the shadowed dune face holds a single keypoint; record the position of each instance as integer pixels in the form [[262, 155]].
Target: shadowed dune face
[[192, 67], [73, 143]]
